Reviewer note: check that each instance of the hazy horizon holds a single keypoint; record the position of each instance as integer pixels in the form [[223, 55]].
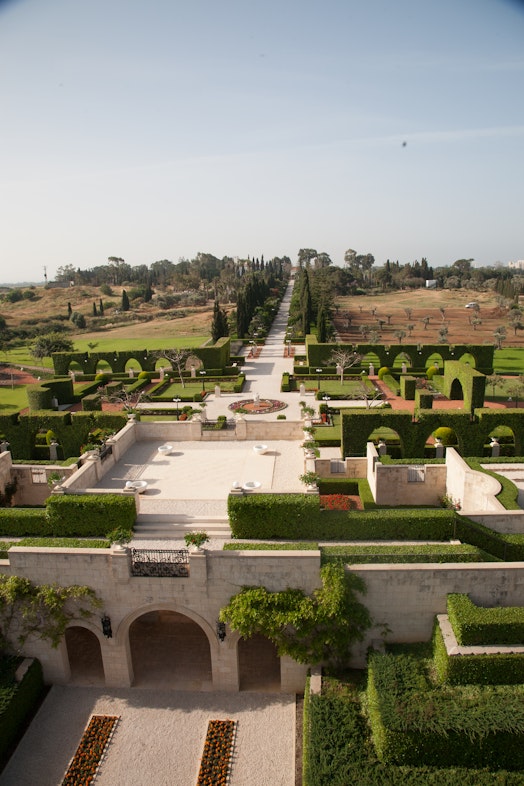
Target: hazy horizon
[[155, 131]]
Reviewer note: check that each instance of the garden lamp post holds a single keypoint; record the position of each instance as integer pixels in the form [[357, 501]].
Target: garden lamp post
[[203, 375], [319, 372], [177, 401]]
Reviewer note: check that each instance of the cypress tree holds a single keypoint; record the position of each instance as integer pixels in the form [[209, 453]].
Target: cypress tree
[[219, 327], [125, 301]]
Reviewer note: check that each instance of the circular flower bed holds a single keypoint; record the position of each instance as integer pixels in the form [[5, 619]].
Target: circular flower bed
[[263, 406]]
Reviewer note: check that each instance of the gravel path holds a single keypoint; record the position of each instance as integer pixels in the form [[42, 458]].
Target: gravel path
[[159, 738]]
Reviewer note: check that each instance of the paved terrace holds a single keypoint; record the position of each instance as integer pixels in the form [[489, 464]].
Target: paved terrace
[[188, 488]]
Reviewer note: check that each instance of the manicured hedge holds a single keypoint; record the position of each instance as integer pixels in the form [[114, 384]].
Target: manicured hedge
[[92, 403], [497, 669], [408, 387], [506, 547], [16, 707], [296, 545], [17, 522], [53, 543], [334, 727], [441, 553], [89, 515], [338, 486], [298, 516], [413, 722], [477, 625], [338, 749]]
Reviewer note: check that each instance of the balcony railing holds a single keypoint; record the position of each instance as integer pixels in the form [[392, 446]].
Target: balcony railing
[[160, 563]]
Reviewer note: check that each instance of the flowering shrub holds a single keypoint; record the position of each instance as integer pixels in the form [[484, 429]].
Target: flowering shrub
[[86, 761], [216, 758], [335, 502]]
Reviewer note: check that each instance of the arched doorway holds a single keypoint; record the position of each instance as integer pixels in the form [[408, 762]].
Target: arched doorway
[[258, 664], [85, 656], [168, 649]]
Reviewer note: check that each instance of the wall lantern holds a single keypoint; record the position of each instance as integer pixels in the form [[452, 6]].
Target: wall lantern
[[106, 626], [221, 630]]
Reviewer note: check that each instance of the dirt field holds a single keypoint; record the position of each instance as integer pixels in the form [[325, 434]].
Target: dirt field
[[366, 310]]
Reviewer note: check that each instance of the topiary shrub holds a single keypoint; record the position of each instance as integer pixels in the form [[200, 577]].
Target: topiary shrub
[[103, 378], [446, 435], [431, 371], [382, 372]]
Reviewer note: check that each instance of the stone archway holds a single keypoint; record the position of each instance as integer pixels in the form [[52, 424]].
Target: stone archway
[[258, 664], [170, 650], [85, 656]]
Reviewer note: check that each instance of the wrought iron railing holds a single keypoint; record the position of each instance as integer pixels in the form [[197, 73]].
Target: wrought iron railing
[[105, 450], [160, 563]]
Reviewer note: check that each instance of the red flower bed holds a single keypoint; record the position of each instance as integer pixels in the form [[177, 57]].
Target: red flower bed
[[86, 761], [335, 501], [216, 758]]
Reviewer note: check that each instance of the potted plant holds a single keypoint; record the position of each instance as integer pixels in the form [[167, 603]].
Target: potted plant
[[195, 540], [311, 448], [310, 480], [54, 479], [119, 537]]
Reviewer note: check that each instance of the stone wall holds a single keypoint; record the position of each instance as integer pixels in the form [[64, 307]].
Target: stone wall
[[406, 598], [474, 490], [393, 484], [214, 578]]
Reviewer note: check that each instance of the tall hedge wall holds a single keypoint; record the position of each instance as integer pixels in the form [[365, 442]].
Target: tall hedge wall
[[299, 517], [481, 669], [472, 432], [415, 723], [14, 713], [474, 625], [71, 429], [215, 356], [483, 354], [40, 395], [89, 515]]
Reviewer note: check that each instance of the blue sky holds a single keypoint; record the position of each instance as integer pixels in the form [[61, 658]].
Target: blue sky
[[156, 130]]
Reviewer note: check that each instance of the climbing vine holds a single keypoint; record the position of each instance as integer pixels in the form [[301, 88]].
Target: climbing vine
[[43, 610], [317, 628]]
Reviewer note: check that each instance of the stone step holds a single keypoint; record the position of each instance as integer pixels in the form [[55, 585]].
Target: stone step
[[166, 530], [179, 518]]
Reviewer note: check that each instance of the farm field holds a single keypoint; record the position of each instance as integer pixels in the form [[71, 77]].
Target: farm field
[[365, 310]]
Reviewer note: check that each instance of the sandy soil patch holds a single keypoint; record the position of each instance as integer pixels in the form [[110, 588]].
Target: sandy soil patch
[[159, 738]]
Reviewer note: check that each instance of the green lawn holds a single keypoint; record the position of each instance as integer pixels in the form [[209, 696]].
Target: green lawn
[[509, 361], [12, 399], [20, 356]]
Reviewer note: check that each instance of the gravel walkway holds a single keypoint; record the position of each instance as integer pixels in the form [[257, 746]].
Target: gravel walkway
[[160, 737]]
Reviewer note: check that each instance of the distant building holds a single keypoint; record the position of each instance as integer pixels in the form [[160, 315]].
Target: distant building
[[431, 283], [518, 265]]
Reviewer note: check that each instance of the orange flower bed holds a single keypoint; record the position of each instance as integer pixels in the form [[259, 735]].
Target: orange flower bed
[[86, 761], [335, 501], [216, 757]]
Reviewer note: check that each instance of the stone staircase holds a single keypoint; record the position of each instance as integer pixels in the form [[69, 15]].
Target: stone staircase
[[164, 519]]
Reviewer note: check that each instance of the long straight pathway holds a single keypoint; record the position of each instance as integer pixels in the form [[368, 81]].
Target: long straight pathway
[[264, 374]]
